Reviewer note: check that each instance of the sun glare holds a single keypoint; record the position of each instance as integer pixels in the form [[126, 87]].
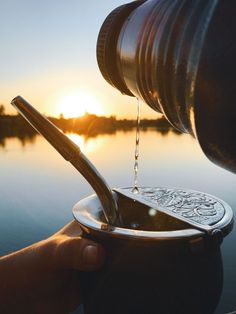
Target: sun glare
[[87, 145], [77, 104], [78, 140]]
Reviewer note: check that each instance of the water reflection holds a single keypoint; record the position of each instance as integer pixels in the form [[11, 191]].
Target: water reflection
[[89, 126], [82, 140], [24, 139], [86, 143]]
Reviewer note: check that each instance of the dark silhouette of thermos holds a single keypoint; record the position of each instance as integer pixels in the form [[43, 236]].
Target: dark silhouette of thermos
[[178, 56]]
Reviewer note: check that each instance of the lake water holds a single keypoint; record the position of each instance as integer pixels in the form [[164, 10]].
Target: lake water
[[38, 188]]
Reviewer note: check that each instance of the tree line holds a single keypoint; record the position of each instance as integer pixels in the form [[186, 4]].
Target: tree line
[[89, 125]]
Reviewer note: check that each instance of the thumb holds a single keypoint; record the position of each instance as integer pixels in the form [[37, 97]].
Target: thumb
[[80, 254]]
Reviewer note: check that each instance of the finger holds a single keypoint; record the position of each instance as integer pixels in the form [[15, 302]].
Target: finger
[[80, 254], [72, 229]]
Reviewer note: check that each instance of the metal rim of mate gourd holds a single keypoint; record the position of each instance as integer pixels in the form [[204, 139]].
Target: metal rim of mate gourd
[[206, 215]]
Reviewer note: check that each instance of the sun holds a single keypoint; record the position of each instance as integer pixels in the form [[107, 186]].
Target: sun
[[76, 104]]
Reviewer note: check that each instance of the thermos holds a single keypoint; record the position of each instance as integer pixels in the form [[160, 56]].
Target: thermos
[[179, 57]]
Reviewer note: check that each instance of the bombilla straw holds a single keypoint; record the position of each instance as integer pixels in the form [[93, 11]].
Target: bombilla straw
[[72, 153]]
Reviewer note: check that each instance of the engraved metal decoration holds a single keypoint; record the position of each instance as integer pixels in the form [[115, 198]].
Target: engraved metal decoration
[[198, 209]]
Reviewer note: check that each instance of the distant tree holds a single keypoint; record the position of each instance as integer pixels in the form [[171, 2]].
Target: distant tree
[[2, 110], [113, 117]]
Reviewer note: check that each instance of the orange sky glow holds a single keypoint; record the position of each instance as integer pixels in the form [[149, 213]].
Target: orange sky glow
[[49, 59], [73, 94]]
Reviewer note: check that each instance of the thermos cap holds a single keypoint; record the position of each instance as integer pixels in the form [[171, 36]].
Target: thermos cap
[[107, 44]]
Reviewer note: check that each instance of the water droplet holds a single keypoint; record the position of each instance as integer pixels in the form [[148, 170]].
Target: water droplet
[[152, 212], [135, 190], [134, 225]]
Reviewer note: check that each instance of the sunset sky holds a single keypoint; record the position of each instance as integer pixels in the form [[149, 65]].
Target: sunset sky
[[48, 55]]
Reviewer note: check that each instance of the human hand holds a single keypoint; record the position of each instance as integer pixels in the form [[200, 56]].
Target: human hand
[[44, 277]]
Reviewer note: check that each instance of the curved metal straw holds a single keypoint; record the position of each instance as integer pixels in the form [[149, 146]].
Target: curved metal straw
[[72, 153]]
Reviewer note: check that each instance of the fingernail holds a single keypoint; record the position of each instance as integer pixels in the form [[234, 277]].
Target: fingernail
[[90, 255]]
